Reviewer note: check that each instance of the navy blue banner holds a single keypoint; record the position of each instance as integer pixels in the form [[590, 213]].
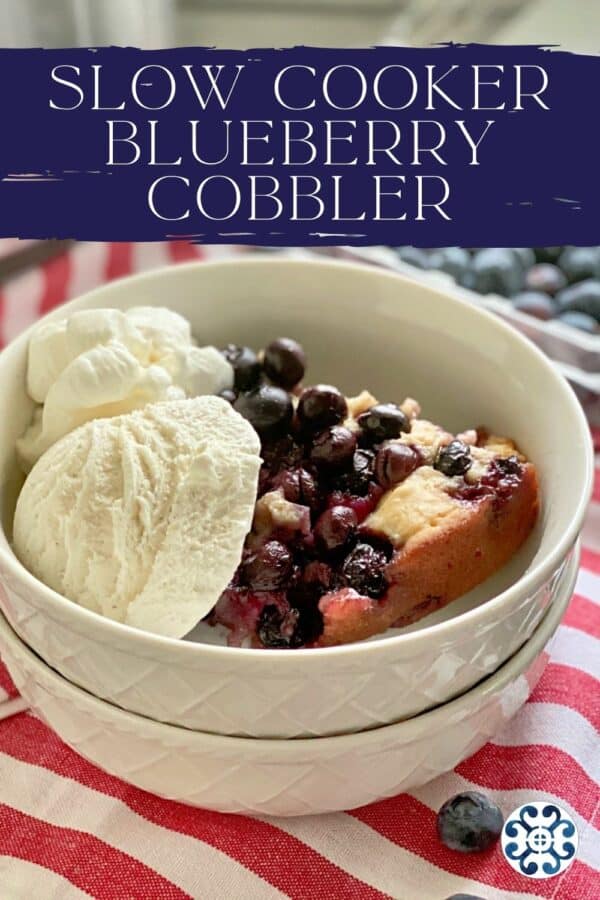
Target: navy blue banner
[[471, 145]]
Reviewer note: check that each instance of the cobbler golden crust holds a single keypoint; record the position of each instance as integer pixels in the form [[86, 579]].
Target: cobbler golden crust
[[438, 564]]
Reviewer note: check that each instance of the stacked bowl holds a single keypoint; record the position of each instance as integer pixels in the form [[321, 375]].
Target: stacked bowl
[[288, 732]]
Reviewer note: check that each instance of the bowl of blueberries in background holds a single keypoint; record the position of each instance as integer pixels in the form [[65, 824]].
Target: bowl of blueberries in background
[[550, 294]]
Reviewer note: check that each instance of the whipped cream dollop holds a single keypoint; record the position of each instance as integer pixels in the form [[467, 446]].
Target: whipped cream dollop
[[142, 517], [104, 362]]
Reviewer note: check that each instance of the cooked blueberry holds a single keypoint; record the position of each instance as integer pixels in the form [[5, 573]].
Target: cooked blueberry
[[363, 570], [298, 486], [309, 490], [495, 270], [281, 453], [363, 462], [359, 478], [546, 278], [454, 459], [579, 263], [579, 320], [379, 543], [525, 255], [334, 447], [453, 260], [268, 409], [309, 625], [536, 304], [414, 256], [547, 254], [285, 362], [276, 629], [268, 568], [499, 481], [394, 463], [321, 406], [583, 297], [335, 527], [383, 422], [508, 465], [288, 481], [228, 395], [469, 822], [246, 367]]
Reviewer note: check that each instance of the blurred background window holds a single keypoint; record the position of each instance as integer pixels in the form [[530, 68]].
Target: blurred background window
[[256, 23], [64, 23]]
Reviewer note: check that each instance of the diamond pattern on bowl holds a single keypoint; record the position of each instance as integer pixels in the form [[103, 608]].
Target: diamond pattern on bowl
[[275, 778], [260, 697]]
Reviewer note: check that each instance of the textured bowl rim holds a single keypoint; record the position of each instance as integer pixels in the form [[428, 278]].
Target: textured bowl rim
[[410, 729], [105, 629]]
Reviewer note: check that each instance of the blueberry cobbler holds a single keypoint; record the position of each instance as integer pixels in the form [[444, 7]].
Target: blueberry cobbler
[[169, 483], [367, 516]]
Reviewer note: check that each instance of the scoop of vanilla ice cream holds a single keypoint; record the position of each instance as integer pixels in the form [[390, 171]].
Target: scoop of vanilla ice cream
[[105, 362], [142, 517]]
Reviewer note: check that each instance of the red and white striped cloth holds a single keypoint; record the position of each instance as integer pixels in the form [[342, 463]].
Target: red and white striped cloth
[[68, 830]]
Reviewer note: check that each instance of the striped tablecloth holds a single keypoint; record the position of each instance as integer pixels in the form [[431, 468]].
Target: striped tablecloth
[[67, 830]]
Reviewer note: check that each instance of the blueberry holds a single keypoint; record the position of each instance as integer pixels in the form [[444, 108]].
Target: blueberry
[[453, 459], [298, 486], [583, 297], [228, 395], [536, 304], [246, 367], [268, 568], [285, 362], [546, 278], [525, 255], [363, 570], [414, 256], [335, 527], [333, 448], [276, 629], [383, 422], [507, 466], [579, 263], [579, 320], [363, 463], [495, 270], [547, 254], [453, 260], [469, 822], [282, 453], [288, 482], [268, 409], [309, 490], [394, 463], [292, 627], [309, 625], [464, 897], [321, 406], [359, 478]]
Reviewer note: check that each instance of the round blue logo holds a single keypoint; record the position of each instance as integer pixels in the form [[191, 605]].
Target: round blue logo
[[539, 840]]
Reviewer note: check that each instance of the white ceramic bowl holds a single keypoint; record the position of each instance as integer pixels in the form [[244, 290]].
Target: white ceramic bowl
[[286, 777], [361, 327]]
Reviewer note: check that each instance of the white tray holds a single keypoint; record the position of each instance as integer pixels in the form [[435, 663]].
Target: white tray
[[576, 353]]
